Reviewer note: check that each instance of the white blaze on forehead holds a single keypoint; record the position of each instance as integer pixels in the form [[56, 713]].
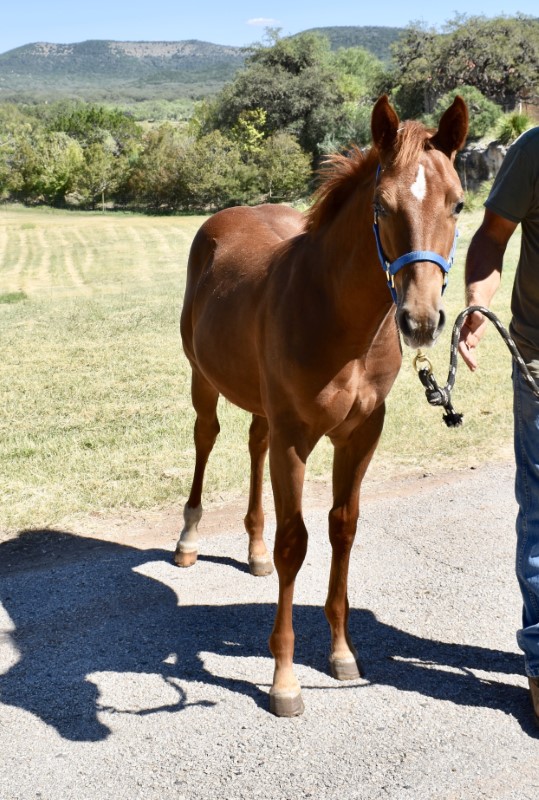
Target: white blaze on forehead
[[419, 186]]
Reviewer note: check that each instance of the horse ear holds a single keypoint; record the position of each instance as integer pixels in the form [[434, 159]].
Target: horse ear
[[453, 128], [384, 125]]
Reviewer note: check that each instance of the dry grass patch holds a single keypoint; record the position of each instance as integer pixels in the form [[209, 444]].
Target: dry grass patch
[[95, 389]]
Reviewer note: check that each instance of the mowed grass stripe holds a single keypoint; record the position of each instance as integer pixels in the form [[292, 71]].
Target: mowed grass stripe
[[15, 260], [96, 391]]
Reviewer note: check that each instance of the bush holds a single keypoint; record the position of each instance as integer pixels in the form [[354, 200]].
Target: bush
[[512, 126], [284, 168], [484, 114]]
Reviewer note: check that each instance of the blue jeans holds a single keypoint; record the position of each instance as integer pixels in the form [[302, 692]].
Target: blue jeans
[[526, 419]]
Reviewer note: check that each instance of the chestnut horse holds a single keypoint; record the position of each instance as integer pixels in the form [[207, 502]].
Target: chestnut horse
[[289, 316]]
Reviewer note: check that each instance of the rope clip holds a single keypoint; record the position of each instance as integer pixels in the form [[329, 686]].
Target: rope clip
[[421, 362]]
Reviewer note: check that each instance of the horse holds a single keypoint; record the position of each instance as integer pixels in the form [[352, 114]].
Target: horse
[[291, 317]]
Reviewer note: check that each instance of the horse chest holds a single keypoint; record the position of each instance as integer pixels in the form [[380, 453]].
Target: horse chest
[[351, 397]]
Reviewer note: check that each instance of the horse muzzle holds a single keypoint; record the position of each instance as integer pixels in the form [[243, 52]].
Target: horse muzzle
[[420, 329]]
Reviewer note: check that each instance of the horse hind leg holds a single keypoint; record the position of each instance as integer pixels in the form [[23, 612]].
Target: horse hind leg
[[260, 562], [206, 430]]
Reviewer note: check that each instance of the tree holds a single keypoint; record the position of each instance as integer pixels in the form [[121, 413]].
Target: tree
[[284, 168], [179, 171], [100, 173], [45, 166], [213, 175], [499, 57], [90, 124], [411, 79], [293, 81], [484, 114], [360, 77], [359, 73], [154, 177]]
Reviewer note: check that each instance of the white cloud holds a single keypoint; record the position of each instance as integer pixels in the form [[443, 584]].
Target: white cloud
[[262, 21]]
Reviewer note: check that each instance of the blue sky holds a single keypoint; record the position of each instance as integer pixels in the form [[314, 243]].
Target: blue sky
[[234, 23]]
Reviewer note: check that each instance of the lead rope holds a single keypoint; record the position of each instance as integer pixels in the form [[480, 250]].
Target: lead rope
[[441, 396]]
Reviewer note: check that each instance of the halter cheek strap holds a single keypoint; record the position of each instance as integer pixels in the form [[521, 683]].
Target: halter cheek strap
[[392, 267]]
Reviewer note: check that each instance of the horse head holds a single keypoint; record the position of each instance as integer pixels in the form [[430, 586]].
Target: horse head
[[417, 199]]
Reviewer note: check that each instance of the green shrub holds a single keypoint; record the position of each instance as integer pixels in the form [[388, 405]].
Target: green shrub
[[511, 126], [13, 297], [484, 114]]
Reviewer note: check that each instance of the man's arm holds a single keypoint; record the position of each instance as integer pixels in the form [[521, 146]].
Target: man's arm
[[483, 274]]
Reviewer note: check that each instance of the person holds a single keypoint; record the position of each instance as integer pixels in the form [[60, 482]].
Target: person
[[514, 200]]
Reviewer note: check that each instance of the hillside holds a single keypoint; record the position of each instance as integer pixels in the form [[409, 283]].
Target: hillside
[[99, 70], [377, 40], [130, 72]]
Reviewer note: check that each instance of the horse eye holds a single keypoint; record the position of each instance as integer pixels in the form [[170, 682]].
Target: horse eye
[[379, 209], [459, 206]]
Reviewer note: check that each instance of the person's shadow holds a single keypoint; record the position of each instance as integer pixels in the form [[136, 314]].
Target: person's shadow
[[94, 612]]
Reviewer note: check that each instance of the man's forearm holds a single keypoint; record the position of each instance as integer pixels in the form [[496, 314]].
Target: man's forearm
[[483, 269]]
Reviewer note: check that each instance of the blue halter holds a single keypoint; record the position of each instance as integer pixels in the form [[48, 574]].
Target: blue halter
[[392, 267]]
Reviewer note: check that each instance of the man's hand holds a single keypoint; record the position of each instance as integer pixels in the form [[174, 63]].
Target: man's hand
[[470, 335]]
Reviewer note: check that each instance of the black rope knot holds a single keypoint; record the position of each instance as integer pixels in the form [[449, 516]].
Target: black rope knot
[[438, 396]]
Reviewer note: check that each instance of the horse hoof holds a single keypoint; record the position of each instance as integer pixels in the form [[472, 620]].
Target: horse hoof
[[345, 669], [286, 704], [261, 566], [185, 559]]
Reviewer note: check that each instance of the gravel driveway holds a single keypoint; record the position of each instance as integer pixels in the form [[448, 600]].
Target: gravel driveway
[[122, 676]]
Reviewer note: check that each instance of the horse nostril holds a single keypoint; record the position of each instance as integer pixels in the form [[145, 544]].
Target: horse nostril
[[441, 320], [405, 323]]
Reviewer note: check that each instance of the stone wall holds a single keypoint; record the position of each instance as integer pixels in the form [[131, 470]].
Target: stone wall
[[478, 163]]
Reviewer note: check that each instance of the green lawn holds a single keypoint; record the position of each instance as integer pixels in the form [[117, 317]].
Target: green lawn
[[96, 413]]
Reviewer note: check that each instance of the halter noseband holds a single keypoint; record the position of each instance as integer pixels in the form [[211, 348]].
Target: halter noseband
[[392, 267]]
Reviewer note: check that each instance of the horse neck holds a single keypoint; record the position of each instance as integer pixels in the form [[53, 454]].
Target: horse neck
[[348, 261]]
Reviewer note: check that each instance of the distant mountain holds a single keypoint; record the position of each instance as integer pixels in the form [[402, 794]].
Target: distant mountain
[[128, 72], [106, 70], [377, 40]]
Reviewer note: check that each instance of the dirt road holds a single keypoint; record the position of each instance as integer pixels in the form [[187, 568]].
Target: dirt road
[[122, 676]]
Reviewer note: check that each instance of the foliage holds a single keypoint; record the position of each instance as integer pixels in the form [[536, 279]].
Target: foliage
[[512, 126], [498, 56], [294, 82], [153, 180], [284, 168], [91, 124], [248, 131], [410, 80], [374, 39], [89, 154], [44, 166], [295, 100], [178, 171], [484, 114], [304, 90], [100, 173], [213, 174]]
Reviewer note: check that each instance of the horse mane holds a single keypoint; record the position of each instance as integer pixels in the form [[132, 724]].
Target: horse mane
[[341, 174]]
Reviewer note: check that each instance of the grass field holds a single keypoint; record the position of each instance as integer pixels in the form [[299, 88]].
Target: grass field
[[96, 414]]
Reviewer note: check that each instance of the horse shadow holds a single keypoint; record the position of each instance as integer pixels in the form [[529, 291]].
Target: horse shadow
[[82, 607]]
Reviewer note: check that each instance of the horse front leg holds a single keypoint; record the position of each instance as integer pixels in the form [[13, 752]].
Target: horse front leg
[[287, 467], [350, 463]]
